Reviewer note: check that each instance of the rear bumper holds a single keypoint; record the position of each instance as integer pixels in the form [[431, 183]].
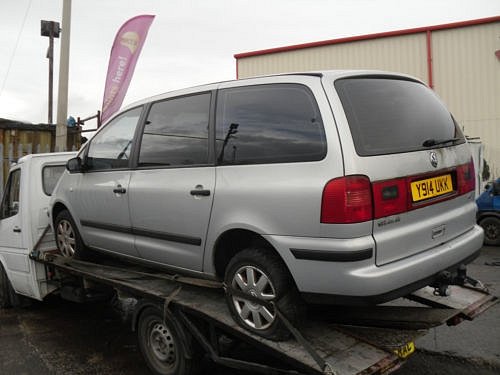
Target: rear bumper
[[361, 282]]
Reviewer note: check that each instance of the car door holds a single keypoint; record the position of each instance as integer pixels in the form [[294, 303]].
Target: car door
[[99, 196], [172, 188]]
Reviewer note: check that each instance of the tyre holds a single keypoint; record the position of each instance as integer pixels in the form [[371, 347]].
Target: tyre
[[261, 273], [161, 346], [68, 239], [8, 297], [491, 227]]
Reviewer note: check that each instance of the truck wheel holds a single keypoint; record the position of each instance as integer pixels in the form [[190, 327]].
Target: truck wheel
[[68, 239], [161, 346], [8, 297], [262, 274], [5, 289], [491, 226]]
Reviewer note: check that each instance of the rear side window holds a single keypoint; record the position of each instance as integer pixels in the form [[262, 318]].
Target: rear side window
[[50, 176], [389, 116], [176, 132], [276, 123]]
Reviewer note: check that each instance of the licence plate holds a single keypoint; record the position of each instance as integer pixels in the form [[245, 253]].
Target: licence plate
[[431, 187], [405, 350]]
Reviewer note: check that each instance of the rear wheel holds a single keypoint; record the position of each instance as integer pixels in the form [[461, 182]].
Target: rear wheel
[[491, 227], [161, 346], [262, 274], [68, 239]]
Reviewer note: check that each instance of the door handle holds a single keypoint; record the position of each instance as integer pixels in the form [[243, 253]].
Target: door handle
[[200, 192], [16, 230], [119, 190]]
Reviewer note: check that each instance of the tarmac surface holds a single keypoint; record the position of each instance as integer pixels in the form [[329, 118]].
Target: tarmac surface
[[59, 337]]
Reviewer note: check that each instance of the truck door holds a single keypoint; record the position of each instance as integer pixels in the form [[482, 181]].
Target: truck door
[[11, 239]]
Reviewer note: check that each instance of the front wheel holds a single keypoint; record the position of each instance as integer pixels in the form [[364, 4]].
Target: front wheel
[[68, 239], [8, 297], [491, 227], [262, 274], [161, 346]]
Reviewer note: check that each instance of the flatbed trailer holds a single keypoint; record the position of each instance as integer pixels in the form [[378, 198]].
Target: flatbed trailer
[[331, 340]]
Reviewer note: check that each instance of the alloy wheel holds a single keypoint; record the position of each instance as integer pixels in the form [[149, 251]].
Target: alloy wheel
[[253, 281]]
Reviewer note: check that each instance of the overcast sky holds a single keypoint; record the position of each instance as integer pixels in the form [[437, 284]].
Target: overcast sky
[[189, 42]]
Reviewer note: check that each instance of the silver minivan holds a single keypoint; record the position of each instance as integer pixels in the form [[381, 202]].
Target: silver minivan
[[339, 187]]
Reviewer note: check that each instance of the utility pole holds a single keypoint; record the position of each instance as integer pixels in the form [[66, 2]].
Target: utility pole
[[50, 29], [62, 101]]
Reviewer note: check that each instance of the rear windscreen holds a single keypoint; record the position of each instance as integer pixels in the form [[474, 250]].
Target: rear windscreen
[[389, 115]]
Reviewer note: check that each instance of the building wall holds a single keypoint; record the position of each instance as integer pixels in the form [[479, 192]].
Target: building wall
[[467, 78], [406, 54], [465, 71]]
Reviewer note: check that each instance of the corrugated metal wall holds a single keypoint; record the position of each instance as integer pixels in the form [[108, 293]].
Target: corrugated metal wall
[[467, 78], [406, 53], [466, 72]]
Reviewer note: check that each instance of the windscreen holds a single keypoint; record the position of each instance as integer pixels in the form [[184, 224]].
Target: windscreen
[[387, 115]]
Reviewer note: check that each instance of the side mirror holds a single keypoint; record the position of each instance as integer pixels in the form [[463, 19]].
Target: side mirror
[[74, 165]]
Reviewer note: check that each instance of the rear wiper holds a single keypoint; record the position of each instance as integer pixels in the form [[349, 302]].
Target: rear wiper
[[435, 142]]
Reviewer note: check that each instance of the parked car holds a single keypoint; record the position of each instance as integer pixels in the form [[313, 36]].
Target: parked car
[[488, 215], [343, 187]]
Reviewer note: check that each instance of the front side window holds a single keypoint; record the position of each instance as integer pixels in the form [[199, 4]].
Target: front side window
[[276, 123], [176, 132], [111, 147], [10, 201], [50, 176]]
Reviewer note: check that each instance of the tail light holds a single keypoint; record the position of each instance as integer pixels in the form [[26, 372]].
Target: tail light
[[354, 199], [347, 200], [390, 197], [466, 179]]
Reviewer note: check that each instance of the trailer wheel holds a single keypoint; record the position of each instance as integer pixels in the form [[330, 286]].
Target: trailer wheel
[[262, 274], [161, 346], [68, 239], [491, 227]]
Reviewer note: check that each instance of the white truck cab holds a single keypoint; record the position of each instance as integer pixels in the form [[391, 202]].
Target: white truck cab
[[23, 219]]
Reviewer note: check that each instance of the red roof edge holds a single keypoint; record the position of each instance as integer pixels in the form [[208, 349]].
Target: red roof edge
[[369, 36]]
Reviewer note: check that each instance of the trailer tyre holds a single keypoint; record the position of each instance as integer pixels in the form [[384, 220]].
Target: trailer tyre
[[68, 239], [261, 273], [491, 227], [161, 345]]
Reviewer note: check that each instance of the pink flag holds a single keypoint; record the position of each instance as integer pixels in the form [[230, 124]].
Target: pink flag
[[124, 54]]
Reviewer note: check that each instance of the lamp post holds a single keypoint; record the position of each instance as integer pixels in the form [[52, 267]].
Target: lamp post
[[51, 30], [62, 93]]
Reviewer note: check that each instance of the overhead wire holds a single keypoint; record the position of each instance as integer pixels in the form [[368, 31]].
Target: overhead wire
[[9, 66]]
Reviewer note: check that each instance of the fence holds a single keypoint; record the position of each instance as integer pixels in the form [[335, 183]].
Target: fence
[[15, 152]]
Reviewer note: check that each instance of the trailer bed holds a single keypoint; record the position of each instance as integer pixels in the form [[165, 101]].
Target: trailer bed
[[348, 341]]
